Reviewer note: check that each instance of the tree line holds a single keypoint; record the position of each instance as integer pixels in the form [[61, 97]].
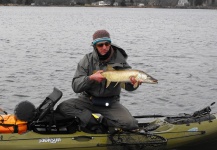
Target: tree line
[[120, 2], [19, 2]]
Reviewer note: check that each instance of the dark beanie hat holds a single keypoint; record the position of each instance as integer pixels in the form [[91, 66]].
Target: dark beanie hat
[[101, 35]]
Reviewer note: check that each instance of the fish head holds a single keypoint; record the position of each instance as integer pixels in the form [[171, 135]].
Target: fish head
[[152, 80], [144, 77]]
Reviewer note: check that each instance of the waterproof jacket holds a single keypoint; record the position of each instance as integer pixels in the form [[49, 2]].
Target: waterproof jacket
[[90, 63]]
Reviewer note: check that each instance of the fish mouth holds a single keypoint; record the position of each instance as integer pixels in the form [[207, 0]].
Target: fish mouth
[[154, 81]]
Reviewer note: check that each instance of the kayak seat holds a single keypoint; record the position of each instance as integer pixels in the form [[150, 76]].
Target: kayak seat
[[46, 120], [47, 106]]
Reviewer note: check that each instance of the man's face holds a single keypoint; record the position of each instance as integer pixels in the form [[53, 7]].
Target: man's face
[[103, 47]]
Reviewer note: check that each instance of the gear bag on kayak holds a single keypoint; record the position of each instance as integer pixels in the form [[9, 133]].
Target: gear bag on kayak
[[10, 124]]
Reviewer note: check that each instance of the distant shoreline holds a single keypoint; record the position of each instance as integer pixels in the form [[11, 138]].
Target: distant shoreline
[[169, 7]]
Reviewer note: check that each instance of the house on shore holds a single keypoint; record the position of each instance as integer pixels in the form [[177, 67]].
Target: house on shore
[[183, 3], [101, 3]]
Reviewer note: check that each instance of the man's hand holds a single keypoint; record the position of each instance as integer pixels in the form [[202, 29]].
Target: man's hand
[[134, 81], [97, 76]]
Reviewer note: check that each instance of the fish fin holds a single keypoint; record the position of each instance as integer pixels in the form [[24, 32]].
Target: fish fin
[[123, 85], [136, 85], [116, 84], [108, 83], [109, 68]]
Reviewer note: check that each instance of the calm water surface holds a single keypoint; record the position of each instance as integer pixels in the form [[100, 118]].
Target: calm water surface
[[41, 46]]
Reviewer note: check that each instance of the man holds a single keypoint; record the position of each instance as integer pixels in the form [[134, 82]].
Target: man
[[94, 96]]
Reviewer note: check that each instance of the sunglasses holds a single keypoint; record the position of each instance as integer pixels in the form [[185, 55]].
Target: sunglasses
[[101, 44]]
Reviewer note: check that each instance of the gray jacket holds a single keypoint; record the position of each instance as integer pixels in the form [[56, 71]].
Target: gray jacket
[[90, 63]]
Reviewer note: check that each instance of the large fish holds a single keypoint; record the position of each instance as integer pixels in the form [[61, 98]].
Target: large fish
[[124, 76]]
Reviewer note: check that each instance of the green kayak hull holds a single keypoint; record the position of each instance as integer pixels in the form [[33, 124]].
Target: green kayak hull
[[201, 134]]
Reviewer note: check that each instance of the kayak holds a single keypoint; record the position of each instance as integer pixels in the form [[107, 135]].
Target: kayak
[[183, 131], [165, 136]]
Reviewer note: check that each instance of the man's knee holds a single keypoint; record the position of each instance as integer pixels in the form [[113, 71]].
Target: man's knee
[[123, 123], [130, 124]]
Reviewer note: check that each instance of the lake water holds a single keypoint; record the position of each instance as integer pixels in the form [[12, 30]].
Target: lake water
[[41, 46]]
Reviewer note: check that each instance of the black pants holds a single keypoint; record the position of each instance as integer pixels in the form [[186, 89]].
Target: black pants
[[116, 115]]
